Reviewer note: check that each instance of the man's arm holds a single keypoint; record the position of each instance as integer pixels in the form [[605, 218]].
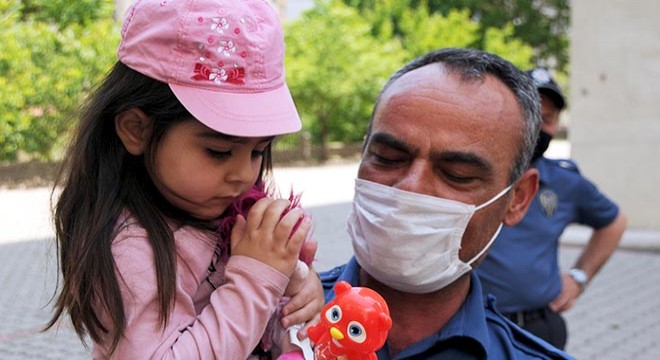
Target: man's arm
[[602, 244], [600, 247]]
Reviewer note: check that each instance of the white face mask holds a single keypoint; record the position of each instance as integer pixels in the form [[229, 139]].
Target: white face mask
[[410, 241]]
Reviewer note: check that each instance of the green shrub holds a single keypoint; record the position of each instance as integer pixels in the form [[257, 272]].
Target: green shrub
[[45, 71]]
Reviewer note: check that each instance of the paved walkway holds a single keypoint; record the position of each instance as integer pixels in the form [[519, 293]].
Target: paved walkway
[[617, 318]]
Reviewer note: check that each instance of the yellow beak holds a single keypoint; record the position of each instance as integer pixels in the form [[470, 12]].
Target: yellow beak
[[336, 334]]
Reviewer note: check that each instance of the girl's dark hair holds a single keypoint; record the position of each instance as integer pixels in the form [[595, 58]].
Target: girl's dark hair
[[100, 179]]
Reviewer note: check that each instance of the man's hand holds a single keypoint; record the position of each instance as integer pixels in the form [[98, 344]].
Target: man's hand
[[570, 291]]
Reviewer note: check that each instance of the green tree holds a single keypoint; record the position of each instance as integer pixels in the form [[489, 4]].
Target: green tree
[[543, 24], [66, 12], [505, 44], [339, 58], [335, 68], [45, 70], [418, 29], [421, 30]]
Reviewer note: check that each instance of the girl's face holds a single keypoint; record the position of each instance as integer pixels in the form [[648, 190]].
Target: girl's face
[[202, 171]]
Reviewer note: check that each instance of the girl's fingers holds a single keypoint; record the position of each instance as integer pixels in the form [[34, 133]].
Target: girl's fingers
[[255, 215], [307, 302], [302, 333], [308, 251], [298, 237], [300, 315], [291, 218], [297, 280], [267, 235], [272, 214], [238, 231]]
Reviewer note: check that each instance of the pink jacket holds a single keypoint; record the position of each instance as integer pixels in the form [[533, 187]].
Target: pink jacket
[[225, 323]]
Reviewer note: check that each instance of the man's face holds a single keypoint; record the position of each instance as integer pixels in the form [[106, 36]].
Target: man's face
[[435, 135], [550, 115]]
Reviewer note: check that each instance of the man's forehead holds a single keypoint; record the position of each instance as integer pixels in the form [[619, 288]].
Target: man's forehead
[[486, 98], [422, 76], [436, 81], [435, 107]]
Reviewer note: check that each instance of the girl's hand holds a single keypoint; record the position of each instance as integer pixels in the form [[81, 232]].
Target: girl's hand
[[266, 234], [305, 306], [307, 298], [297, 280]]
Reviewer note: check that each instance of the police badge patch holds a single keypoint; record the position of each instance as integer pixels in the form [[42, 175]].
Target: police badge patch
[[548, 200]]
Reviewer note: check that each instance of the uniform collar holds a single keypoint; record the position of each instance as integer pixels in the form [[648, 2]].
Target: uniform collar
[[541, 164], [467, 327], [469, 323]]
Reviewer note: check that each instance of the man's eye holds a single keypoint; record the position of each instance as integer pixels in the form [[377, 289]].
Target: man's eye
[[385, 160], [218, 154], [461, 179]]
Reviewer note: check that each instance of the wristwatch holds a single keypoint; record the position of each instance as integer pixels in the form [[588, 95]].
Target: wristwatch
[[580, 277]]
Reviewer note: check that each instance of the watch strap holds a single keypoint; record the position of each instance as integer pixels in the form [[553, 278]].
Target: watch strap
[[580, 277]]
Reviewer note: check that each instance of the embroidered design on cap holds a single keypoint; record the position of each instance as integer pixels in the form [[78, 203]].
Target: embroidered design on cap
[[232, 75], [220, 25], [224, 47]]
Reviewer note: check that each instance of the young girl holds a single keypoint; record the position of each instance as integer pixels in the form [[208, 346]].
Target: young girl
[[180, 128]]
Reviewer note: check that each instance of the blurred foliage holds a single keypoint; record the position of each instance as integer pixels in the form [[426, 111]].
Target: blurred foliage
[[338, 58], [420, 30], [335, 69], [543, 24], [504, 43], [67, 12], [49, 60]]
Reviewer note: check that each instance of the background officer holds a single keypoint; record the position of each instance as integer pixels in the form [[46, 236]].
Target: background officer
[[522, 269]]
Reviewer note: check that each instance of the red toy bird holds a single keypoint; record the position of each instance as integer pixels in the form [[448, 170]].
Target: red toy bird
[[353, 325]]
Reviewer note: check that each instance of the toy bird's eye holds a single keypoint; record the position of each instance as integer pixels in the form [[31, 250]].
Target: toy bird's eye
[[356, 332], [333, 314]]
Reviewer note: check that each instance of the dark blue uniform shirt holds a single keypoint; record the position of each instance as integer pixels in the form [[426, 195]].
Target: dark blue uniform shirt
[[474, 332], [521, 269]]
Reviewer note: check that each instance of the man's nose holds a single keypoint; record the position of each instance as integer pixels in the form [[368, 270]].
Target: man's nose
[[418, 179]]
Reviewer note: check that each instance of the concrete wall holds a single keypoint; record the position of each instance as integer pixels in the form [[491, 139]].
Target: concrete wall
[[615, 102]]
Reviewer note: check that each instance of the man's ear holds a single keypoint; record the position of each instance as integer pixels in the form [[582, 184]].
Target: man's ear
[[133, 127], [523, 194]]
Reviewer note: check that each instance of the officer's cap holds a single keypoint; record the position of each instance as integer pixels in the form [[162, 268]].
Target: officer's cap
[[546, 85]]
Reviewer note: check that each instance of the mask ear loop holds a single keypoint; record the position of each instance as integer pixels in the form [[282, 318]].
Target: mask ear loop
[[490, 242], [495, 198], [499, 228]]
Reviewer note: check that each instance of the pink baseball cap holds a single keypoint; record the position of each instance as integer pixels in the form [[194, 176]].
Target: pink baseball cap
[[223, 59]]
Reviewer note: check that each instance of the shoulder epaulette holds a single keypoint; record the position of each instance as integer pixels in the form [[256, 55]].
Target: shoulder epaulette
[[567, 164]]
